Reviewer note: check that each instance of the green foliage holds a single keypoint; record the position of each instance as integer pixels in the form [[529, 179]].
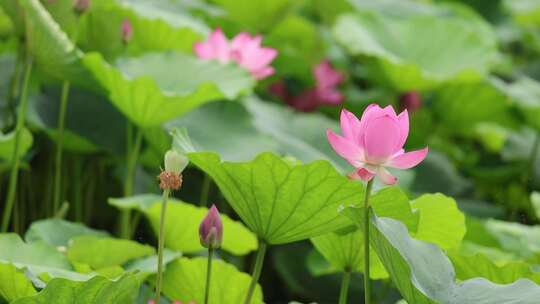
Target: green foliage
[[280, 201], [13, 283], [97, 290], [57, 232], [424, 274], [100, 252], [7, 144], [182, 223], [146, 94], [397, 51], [184, 281]]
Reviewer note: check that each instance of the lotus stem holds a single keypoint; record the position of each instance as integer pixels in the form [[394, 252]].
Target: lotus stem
[[161, 244], [367, 295], [15, 161], [208, 274], [256, 271], [344, 291], [59, 145], [132, 157], [205, 191]]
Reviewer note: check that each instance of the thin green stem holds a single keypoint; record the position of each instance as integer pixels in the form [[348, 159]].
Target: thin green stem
[[77, 186], [161, 244], [59, 146], [205, 191], [15, 161], [534, 154], [208, 274], [259, 260], [133, 156], [344, 291], [367, 291]]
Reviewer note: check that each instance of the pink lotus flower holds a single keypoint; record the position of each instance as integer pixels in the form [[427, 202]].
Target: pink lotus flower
[[244, 49], [375, 142], [327, 80], [174, 302]]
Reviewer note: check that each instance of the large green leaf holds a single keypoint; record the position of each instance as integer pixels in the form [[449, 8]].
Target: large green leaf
[[418, 50], [255, 126], [256, 15], [7, 144], [440, 220], [38, 257], [424, 274], [157, 87], [159, 25], [184, 280], [459, 115], [526, 93], [98, 290], [279, 200], [13, 283], [100, 252], [58, 232], [182, 223], [49, 46]]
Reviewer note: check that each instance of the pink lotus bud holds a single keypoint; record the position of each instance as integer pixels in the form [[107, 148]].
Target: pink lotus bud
[[211, 229], [126, 31], [410, 101], [375, 142], [81, 6]]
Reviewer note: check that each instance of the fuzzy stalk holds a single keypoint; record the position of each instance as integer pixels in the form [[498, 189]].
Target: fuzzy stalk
[[161, 244], [367, 208], [208, 274]]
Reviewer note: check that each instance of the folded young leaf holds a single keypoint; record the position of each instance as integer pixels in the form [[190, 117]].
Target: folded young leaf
[[424, 274]]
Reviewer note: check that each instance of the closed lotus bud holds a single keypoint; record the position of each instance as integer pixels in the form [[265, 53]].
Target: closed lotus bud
[[410, 101], [211, 229], [81, 6], [127, 31]]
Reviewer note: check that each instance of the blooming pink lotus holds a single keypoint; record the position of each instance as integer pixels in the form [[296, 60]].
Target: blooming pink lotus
[[375, 142], [244, 49]]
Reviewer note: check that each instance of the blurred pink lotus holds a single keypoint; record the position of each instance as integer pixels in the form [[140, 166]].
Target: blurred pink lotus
[[126, 31], [375, 142], [243, 49], [325, 91], [410, 101], [327, 80]]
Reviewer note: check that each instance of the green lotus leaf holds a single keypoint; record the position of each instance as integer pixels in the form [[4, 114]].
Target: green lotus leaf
[[182, 223], [424, 274], [418, 50], [7, 144], [280, 200], [98, 290], [58, 232], [39, 258], [13, 283], [184, 280], [440, 220], [100, 252], [157, 87], [157, 26]]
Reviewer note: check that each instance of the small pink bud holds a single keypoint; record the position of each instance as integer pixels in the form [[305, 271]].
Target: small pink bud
[[127, 31], [81, 6], [410, 101], [151, 302], [211, 229]]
